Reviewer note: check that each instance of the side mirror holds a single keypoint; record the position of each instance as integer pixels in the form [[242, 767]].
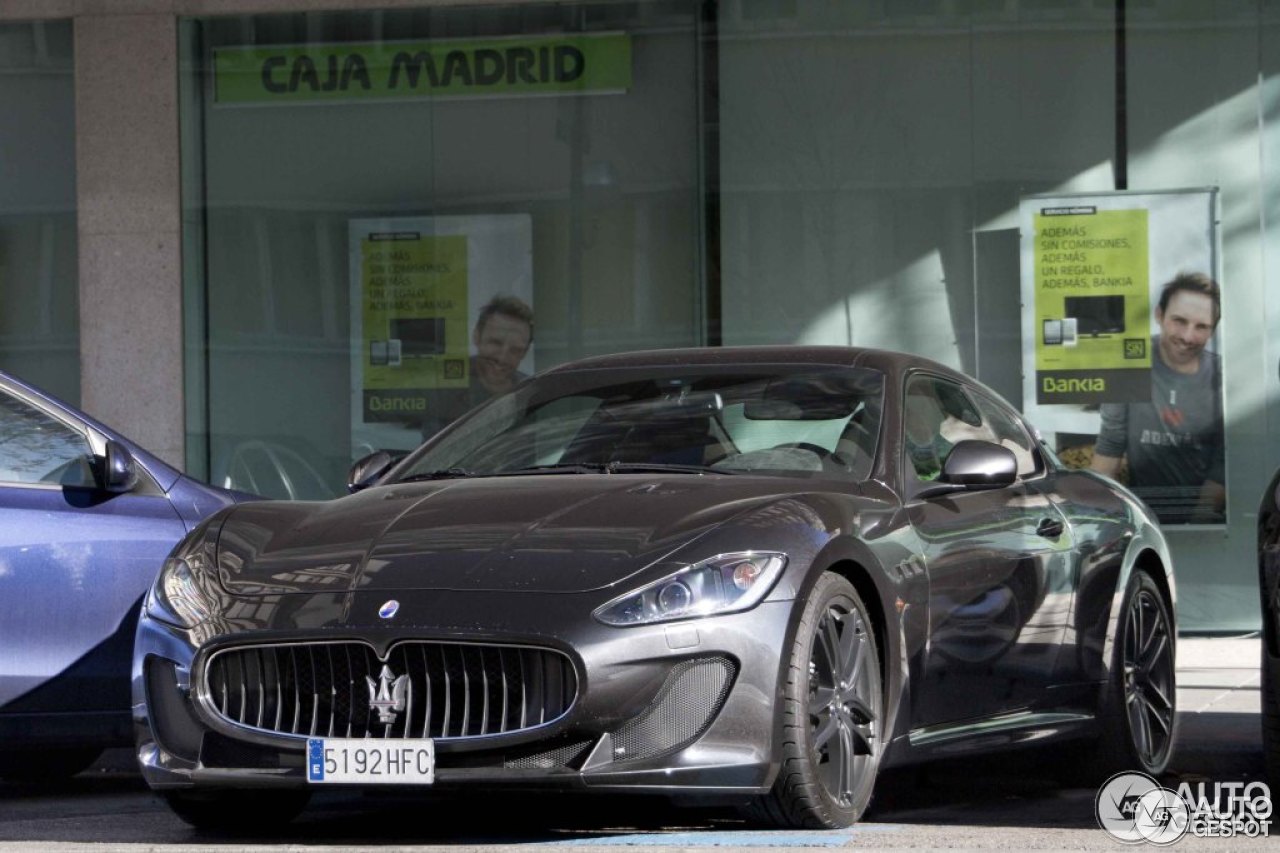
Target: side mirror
[[979, 464], [367, 469], [119, 471]]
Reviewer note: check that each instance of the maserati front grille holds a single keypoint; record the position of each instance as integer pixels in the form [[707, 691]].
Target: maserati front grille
[[422, 689]]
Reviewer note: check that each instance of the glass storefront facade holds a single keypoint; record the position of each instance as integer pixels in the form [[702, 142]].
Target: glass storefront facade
[[748, 171], [602, 188], [39, 323]]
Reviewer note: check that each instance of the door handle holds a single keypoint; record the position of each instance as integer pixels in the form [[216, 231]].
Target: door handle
[[1049, 528]]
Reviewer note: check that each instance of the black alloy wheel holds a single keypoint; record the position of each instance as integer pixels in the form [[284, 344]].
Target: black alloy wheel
[[833, 715], [1137, 713], [1147, 669]]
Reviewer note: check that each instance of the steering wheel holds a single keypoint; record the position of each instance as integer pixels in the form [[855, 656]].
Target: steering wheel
[[828, 458]]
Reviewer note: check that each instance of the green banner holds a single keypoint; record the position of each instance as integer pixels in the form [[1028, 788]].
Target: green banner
[[1092, 305], [387, 70], [414, 321]]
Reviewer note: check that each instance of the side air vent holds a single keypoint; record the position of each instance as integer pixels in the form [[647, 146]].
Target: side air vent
[[684, 708]]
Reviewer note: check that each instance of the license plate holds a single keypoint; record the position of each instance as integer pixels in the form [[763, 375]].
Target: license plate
[[364, 761]]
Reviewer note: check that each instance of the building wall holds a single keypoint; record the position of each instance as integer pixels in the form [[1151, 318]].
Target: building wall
[[873, 165], [871, 160]]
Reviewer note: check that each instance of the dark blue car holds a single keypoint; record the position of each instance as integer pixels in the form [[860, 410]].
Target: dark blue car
[[86, 520]]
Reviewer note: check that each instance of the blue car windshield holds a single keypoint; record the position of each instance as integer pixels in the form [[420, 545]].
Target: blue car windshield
[[779, 420]]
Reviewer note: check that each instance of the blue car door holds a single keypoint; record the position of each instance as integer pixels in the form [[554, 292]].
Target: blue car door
[[74, 562]]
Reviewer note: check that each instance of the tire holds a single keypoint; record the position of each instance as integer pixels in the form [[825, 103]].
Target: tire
[[1139, 713], [238, 812], [45, 765], [832, 738]]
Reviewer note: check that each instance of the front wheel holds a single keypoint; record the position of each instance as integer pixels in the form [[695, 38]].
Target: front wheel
[[833, 711]]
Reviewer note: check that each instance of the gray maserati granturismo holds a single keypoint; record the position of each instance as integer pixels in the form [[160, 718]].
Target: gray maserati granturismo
[[749, 575]]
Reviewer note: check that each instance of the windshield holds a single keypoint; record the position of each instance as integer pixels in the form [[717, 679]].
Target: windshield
[[780, 420]]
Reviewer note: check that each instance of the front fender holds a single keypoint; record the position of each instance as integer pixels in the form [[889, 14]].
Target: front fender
[[1147, 550]]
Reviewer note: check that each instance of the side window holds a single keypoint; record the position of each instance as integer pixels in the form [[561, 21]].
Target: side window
[[1007, 430], [930, 406], [35, 448], [940, 414]]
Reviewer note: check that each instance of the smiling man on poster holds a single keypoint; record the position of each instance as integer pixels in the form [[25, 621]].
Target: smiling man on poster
[[1173, 442], [501, 338]]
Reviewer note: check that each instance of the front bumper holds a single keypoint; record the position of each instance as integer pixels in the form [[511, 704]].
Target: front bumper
[[681, 707]]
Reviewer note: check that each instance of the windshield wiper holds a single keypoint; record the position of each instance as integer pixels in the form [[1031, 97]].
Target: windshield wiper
[[615, 468], [562, 468], [663, 468], [445, 474], [571, 468]]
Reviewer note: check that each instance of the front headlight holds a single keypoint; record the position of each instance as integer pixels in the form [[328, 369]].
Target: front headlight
[[727, 583], [176, 596]]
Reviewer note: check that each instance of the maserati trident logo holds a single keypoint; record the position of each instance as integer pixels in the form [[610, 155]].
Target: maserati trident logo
[[387, 695], [389, 609]]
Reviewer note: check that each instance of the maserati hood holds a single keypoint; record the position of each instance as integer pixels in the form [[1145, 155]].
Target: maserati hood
[[551, 533]]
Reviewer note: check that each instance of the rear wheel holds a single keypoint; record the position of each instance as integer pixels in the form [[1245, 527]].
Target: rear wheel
[[45, 765], [833, 715], [237, 812], [1148, 685]]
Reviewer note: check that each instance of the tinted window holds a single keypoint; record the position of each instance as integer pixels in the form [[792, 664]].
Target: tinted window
[[937, 414], [940, 413]]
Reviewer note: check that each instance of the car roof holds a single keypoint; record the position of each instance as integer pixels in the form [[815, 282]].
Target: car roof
[[747, 356]]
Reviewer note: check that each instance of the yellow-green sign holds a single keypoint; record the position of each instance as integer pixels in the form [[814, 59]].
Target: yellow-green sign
[[413, 320], [1092, 305], [570, 63]]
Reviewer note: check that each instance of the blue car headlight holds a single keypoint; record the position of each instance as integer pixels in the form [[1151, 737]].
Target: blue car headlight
[[727, 583], [177, 596]]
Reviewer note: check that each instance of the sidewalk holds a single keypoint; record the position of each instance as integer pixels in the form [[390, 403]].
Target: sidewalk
[[1219, 675], [1219, 709]]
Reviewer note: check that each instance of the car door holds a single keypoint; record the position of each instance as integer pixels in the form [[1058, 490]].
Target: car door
[[75, 561], [998, 562]]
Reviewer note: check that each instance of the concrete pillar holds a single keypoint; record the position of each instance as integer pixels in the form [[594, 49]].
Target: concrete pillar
[[129, 222]]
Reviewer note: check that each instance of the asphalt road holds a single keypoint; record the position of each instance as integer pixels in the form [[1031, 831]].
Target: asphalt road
[[1011, 803]]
